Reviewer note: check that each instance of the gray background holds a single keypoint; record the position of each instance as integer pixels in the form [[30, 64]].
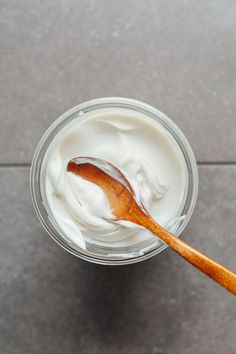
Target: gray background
[[179, 56]]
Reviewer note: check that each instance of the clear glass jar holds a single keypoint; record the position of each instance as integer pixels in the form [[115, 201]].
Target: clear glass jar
[[98, 254]]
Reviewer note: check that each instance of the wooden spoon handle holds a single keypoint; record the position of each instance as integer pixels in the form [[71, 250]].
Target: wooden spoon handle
[[214, 270]]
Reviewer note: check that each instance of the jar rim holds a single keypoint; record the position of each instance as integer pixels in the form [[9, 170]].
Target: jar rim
[[71, 114]]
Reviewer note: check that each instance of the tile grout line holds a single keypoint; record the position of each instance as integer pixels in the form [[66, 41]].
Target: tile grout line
[[6, 165], [216, 163]]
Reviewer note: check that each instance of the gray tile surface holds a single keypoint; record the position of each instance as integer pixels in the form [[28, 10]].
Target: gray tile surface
[[51, 302], [177, 55]]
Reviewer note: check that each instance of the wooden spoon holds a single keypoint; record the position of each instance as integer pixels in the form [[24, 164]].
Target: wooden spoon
[[124, 207]]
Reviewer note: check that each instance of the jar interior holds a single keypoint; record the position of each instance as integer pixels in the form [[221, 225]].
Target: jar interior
[[107, 254]]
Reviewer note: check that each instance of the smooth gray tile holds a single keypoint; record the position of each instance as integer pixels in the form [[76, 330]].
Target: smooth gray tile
[[177, 55], [51, 302]]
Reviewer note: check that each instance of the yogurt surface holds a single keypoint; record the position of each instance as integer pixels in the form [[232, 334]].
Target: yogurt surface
[[142, 149]]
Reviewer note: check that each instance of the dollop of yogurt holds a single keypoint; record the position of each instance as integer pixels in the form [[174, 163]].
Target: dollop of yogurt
[[146, 154]]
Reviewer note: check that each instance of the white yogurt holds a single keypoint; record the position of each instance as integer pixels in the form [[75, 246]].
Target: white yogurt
[[142, 149]]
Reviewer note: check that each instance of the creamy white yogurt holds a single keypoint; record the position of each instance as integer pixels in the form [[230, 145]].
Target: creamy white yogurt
[[142, 149]]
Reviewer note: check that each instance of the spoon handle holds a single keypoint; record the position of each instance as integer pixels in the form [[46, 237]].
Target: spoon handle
[[212, 269], [206, 265]]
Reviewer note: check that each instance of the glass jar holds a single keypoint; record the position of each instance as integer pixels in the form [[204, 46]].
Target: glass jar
[[102, 254]]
